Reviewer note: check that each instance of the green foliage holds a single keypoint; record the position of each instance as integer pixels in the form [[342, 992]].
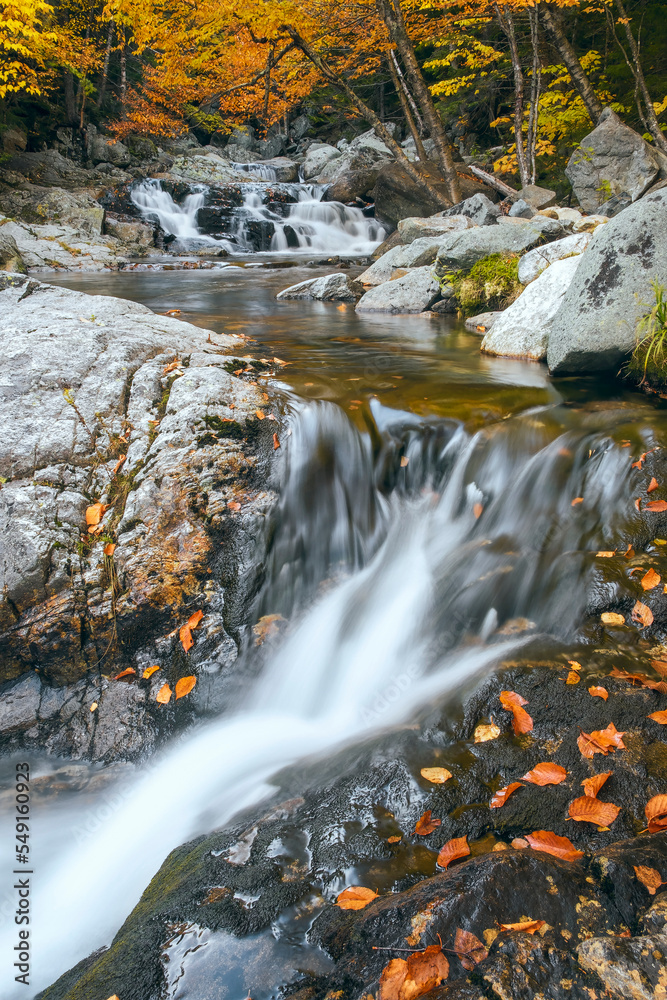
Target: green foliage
[[493, 283], [648, 363]]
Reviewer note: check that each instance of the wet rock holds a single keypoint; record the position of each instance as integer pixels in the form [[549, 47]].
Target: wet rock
[[535, 261], [416, 254], [628, 967], [594, 328], [137, 238], [613, 160], [479, 209], [414, 292], [10, 255], [282, 168], [483, 322], [329, 288], [414, 229], [614, 867], [654, 920], [537, 197], [522, 330], [460, 251], [317, 157]]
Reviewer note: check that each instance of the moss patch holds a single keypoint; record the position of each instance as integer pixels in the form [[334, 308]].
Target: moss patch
[[492, 283]]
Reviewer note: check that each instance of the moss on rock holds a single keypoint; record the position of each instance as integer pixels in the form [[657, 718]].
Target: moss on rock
[[492, 283]]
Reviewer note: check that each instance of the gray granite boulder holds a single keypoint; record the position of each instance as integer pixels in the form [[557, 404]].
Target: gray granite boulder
[[413, 292], [535, 261], [316, 159], [329, 288], [594, 328], [479, 209], [436, 225], [44, 205], [461, 251], [416, 254]]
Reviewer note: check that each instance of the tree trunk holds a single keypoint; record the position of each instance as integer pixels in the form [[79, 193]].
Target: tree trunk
[[122, 90], [638, 73], [105, 66], [70, 102], [406, 93], [392, 15], [267, 85], [380, 130], [554, 25], [507, 25], [535, 87], [407, 111]]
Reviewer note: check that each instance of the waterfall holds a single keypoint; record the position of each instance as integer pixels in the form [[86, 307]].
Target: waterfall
[[157, 205]]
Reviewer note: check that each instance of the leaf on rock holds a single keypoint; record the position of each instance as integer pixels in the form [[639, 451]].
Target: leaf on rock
[[164, 695], [149, 671], [95, 513], [407, 980], [266, 628], [525, 926], [572, 677], [260, 414], [577, 501], [656, 505], [642, 679], [519, 843], [118, 464], [393, 840], [605, 555], [185, 631], [502, 795], [125, 674], [650, 579], [276, 442], [109, 548], [437, 775], [426, 824], [588, 809], [477, 509], [593, 785], [452, 850], [546, 774], [660, 717], [653, 485], [184, 686], [642, 615], [612, 618], [355, 897], [469, 949], [656, 813], [550, 843], [601, 741], [649, 877], [234, 505], [484, 733], [513, 702], [598, 692]]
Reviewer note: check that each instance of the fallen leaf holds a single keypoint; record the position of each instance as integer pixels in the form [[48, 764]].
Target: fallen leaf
[[660, 666], [438, 775], [598, 692], [260, 414], [649, 877], [477, 510], [276, 442], [185, 631], [279, 362], [546, 774], [130, 672], [149, 671], [266, 628], [660, 717], [500, 846], [118, 464], [164, 694], [483, 732], [550, 843], [653, 485], [638, 503], [572, 677], [406, 980], [575, 664], [629, 553], [612, 618], [355, 897], [234, 505], [656, 506], [593, 785], [426, 824], [393, 840], [95, 513], [588, 809], [469, 949], [184, 686], [601, 741], [502, 795], [173, 312], [650, 580], [656, 813], [404, 461], [93, 706], [605, 555], [642, 615], [171, 366], [452, 850], [519, 843], [513, 702], [109, 548], [642, 679], [577, 501], [526, 926]]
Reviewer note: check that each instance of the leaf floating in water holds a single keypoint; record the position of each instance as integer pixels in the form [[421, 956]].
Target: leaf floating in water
[[394, 840], [438, 775], [484, 733], [477, 510], [525, 926], [426, 824], [546, 774], [550, 843], [656, 813], [502, 795], [589, 809], [598, 692], [642, 679], [653, 485], [660, 717], [593, 785], [601, 741], [642, 615], [469, 949], [125, 674], [605, 555], [355, 897], [452, 850], [184, 686], [276, 442], [649, 877], [149, 671], [612, 618], [513, 702], [650, 580], [407, 980], [266, 628], [185, 631], [164, 695], [656, 506]]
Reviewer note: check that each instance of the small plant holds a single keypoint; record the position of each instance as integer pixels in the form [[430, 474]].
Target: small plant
[[649, 358], [492, 283]]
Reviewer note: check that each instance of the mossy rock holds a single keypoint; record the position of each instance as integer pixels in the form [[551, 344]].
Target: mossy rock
[[492, 283]]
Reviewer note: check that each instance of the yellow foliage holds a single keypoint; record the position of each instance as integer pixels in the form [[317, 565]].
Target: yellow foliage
[[24, 45]]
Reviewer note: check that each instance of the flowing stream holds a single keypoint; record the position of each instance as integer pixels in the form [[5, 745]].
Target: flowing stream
[[426, 502]]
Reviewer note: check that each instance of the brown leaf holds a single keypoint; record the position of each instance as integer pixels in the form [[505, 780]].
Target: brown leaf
[[642, 679], [469, 949], [171, 366], [149, 671], [355, 897], [588, 809], [642, 615], [109, 548], [95, 513], [546, 774], [612, 618], [653, 485], [502, 795], [276, 442], [572, 677], [656, 505], [484, 733], [234, 505], [512, 702], [404, 461], [649, 877], [605, 555], [593, 785], [638, 503], [184, 686], [656, 813], [526, 926], [438, 775], [598, 692], [266, 628], [650, 580], [601, 741], [425, 824], [577, 501], [477, 509], [660, 666], [185, 631], [549, 843], [393, 840], [130, 672], [452, 850], [164, 694], [260, 414], [660, 717], [407, 980]]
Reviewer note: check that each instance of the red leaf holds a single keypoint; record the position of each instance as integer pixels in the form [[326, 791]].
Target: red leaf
[[656, 505], [469, 949], [598, 692], [425, 824], [502, 795], [512, 702], [593, 785], [560, 847], [452, 850], [546, 774], [588, 809], [130, 672]]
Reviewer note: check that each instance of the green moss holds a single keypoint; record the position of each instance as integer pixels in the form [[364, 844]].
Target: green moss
[[648, 363], [492, 283]]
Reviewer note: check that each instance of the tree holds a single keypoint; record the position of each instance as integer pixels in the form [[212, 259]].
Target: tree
[[25, 45]]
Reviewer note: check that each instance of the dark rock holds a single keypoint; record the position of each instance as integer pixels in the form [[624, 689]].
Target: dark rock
[[654, 920], [614, 867], [352, 184], [628, 967], [397, 196], [615, 205]]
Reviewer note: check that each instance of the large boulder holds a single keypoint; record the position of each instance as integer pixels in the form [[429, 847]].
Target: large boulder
[[537, 197], [613, 160], [436, 225], [479, 209], [397, 196], [522, 330], [50, 169], [413, 292], [137, 238], [42, 205], [317, 158], [10, 255], [103, 149], [63, 248], [207, 169], [535, 261], [351, 184], [416, 254], [595, 325], [329, 288], [461, 251]]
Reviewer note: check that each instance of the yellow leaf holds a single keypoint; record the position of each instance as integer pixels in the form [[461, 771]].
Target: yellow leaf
[[437, 775], [164, 695], [484, 733], [184, 686], [149, 671]]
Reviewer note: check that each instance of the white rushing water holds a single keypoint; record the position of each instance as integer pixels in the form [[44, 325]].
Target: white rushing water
[[309, 223]]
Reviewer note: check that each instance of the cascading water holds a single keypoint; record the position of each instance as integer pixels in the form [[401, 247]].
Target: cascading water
[[157, 205], [430, 555]]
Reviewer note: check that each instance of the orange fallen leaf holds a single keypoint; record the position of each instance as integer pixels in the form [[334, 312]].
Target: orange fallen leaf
[[593, 785], [355, 897], [650, 580], [656, 506], [656, 813], [234, 505], [601, 741], [612, 618], [502, 795], [598, 692], [149, 671], [164, 694], [452, 850], [605, 555], [546, 774], [577, 501], [653, 485], [589, 809], [642, 615], [660, 666], [393, 840], [118, 464], [638, 503], [404, 461], [184, 686], [407, 980], [279, 362], [276, 442], [95, 513], [649, 877], [109, 548], [426, 824], [550, 843], [526, 926], [438, 775], [642, 679], [519, 843], [483, 732], [171, 366], [572, 677], [260, 414], [266, 628], [469, 949], [173, 312], [477, 510], [93, 707], [513, 702], [130, 672], [660, 717], [185, 631], [629, 552]]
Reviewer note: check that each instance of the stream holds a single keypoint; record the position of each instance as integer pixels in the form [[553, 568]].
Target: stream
[[426, 502]]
